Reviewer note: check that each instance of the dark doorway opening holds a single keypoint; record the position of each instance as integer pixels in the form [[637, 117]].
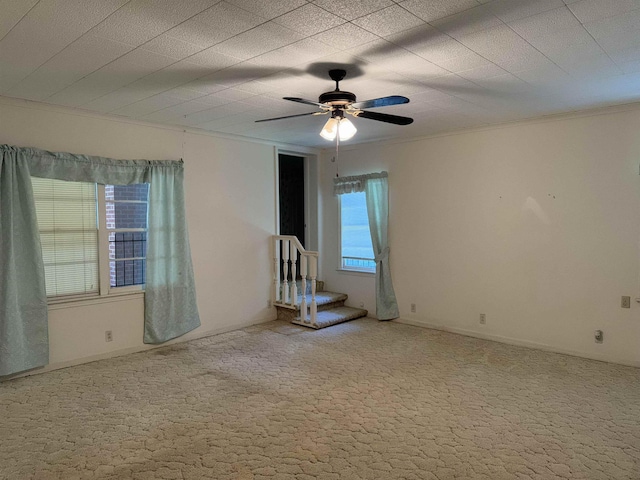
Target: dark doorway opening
[[292, 205]]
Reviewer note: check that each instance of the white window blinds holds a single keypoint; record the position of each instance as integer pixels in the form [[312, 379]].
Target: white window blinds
[[67, 219]]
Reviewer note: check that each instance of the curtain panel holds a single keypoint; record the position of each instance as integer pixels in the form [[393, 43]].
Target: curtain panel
[[24, 338], [170, 300], [375, 186]]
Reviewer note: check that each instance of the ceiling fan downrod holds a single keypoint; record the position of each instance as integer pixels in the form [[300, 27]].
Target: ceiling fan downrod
[[337, 75], [337, 97]]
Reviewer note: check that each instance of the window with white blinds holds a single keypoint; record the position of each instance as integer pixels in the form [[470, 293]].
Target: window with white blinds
[[68, 223]]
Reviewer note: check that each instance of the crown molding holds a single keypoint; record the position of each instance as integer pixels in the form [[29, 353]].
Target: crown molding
[[33, 105]]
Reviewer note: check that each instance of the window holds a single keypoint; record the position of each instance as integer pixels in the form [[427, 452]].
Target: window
[[126, 212], [94, 237], [68, 225], [356, 251]]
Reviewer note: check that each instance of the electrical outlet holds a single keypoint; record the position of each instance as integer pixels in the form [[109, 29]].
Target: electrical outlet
[[598, 336], [483, 318], [108, 336], [625, 302], [269, 303], [413, 308]]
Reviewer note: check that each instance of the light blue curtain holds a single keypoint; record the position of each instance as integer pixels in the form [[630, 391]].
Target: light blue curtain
[[375, 186], [24, 339], [170, 297], [170, 302]]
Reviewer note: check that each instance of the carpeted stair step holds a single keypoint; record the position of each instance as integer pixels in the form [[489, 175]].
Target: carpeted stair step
[[333, 316], [324, 301]]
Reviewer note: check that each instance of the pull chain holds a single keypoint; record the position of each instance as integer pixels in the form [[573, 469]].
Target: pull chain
[[337, 154]]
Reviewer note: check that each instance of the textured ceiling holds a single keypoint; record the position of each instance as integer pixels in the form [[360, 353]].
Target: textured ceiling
[[221, 65]]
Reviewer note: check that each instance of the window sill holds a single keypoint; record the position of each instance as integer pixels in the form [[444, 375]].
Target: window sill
[[97, 300], [358, 273]]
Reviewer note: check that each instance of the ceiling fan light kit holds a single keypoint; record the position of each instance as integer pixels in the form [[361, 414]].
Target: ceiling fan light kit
[[338, 102], [340, 126]]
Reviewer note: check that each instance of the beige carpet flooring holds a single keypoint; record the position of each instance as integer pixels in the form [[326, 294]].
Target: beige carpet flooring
[[361, 400]]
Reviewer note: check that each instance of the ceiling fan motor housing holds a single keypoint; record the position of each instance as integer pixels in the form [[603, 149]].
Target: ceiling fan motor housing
[[337, 97]]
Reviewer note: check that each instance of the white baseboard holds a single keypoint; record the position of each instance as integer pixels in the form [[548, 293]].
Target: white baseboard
[[517, 342], [141, 348]]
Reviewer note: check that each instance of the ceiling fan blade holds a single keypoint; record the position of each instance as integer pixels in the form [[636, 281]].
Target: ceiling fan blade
[[292, 116], [381, 102], [302, 100], [384, 117]]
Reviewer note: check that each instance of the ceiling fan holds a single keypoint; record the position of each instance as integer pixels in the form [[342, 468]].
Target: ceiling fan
[[337, 103]]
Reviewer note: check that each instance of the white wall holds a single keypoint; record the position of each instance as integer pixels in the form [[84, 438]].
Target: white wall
[[537, 225], [230, 190]]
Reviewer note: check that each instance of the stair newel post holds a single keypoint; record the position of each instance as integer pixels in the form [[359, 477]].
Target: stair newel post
[[285, 270], [313, 273], [276, 271], [303, 274], [294, 284]]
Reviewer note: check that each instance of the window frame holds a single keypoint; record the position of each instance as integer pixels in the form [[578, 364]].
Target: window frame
[[105, 289], [341, 266], [72, 297]]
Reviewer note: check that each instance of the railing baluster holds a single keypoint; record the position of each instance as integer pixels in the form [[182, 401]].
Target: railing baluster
[[313, 272], [285, 270], [294, 284], [276, 271], [303, 274], [286, 248]]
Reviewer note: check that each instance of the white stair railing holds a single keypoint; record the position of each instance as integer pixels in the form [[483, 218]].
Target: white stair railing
[[285, 294]]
